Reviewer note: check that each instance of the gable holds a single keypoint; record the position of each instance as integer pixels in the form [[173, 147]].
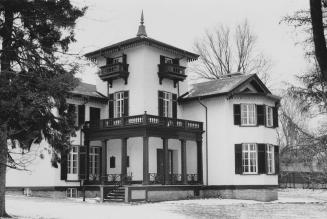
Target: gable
[[253, 85]]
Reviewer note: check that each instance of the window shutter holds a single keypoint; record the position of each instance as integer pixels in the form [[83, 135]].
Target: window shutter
[[276, 157], [160, 103], [100, 163], [238, 159], [81, 114], [82, 165], [111, 106], [126, 105], [260, 114], [275, 116], [112, 162], [162, 60], [174, 106], [72, 110], [176, 61], [262, 159], [63, 166], [237, 114], [124, 59]]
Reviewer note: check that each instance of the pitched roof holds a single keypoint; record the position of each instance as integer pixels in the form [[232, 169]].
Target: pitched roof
[[225, 85], [140, 40], [88, 90]]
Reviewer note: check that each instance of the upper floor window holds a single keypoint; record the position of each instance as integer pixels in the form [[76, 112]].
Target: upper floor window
[[168, 60], [249, 158], [167, 104], [118, 104], [248, 114], [270, 159], [72, 161], [269, 116], [115, 60]]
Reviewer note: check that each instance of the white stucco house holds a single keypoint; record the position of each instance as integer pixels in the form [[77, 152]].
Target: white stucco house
[[147, 135]]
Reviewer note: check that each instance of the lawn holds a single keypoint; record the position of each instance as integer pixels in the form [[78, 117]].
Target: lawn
[[291, 204]]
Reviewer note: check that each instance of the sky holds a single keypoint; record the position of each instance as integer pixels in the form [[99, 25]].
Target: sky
[[181, 22]]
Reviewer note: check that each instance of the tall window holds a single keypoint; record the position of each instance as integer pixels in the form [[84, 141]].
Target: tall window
[[270, 159], [118, 104], [269, 116], [167, 104], [249, 158], [72, 161], [248, 114], [94, 161]]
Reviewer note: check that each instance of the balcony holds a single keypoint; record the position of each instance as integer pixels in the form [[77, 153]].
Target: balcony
[[114, 71], [144, 120], [171, 71]]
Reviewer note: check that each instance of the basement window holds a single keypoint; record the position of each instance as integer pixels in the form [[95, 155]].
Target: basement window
[[71, 193]]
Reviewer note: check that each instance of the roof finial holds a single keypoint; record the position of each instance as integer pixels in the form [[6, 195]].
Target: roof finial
[[141, 32]]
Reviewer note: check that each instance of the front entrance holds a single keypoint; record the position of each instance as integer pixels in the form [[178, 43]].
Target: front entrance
[[161, 166]]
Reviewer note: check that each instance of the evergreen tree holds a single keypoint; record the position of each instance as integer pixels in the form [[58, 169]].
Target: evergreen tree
[[35, 35]]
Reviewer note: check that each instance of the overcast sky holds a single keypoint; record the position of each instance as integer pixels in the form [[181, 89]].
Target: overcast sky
[[181, 22]]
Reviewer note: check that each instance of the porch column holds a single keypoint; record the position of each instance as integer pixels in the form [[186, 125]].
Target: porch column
[[87, 147], [104, 161], [145, 160], [123, 160], [165, 160], [183, 159], [199, 161]]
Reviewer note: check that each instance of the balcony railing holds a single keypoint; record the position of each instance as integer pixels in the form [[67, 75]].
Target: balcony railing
[[144, 120], [114, 71], [171, 68]]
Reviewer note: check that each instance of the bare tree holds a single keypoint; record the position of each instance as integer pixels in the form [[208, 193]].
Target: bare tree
[[223, 51]]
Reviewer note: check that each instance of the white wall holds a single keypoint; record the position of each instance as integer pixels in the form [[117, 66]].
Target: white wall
[[223, 135]]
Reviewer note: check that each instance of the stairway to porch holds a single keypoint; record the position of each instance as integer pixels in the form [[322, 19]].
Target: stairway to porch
[[115, 195]]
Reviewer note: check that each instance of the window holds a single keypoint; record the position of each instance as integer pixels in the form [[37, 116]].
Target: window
[[270, 159], [127, 161], [249, 158], [248, 114], [118, 104], [72, 161], [94, 161], [71, 193], [112, 162], [269, 116], [167, 104]]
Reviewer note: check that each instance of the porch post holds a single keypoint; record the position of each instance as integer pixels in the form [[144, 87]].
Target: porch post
[[165, 160], [183, 159], [199, 161], [123, 160], [145, 160], [104, 161], [87, 147]]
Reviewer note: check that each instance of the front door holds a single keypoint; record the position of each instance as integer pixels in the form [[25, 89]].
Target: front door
[[161, 167]]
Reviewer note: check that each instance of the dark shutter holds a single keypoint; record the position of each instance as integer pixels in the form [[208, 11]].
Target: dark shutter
[[176, 61], [95, 114], [260, 114], [82, 163], [275, 116], [127, 161], [111, 106], [174, 106], [238, 159], [262, 161], [124, 59], [126, 105], [72, 110], [63, 166], [160, 103], [276, 157], [162, 60], [100, 162], [237, 114], [81, 114]]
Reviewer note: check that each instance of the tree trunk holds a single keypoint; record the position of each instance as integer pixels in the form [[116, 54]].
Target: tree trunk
[[3, 165], [318, 36]]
